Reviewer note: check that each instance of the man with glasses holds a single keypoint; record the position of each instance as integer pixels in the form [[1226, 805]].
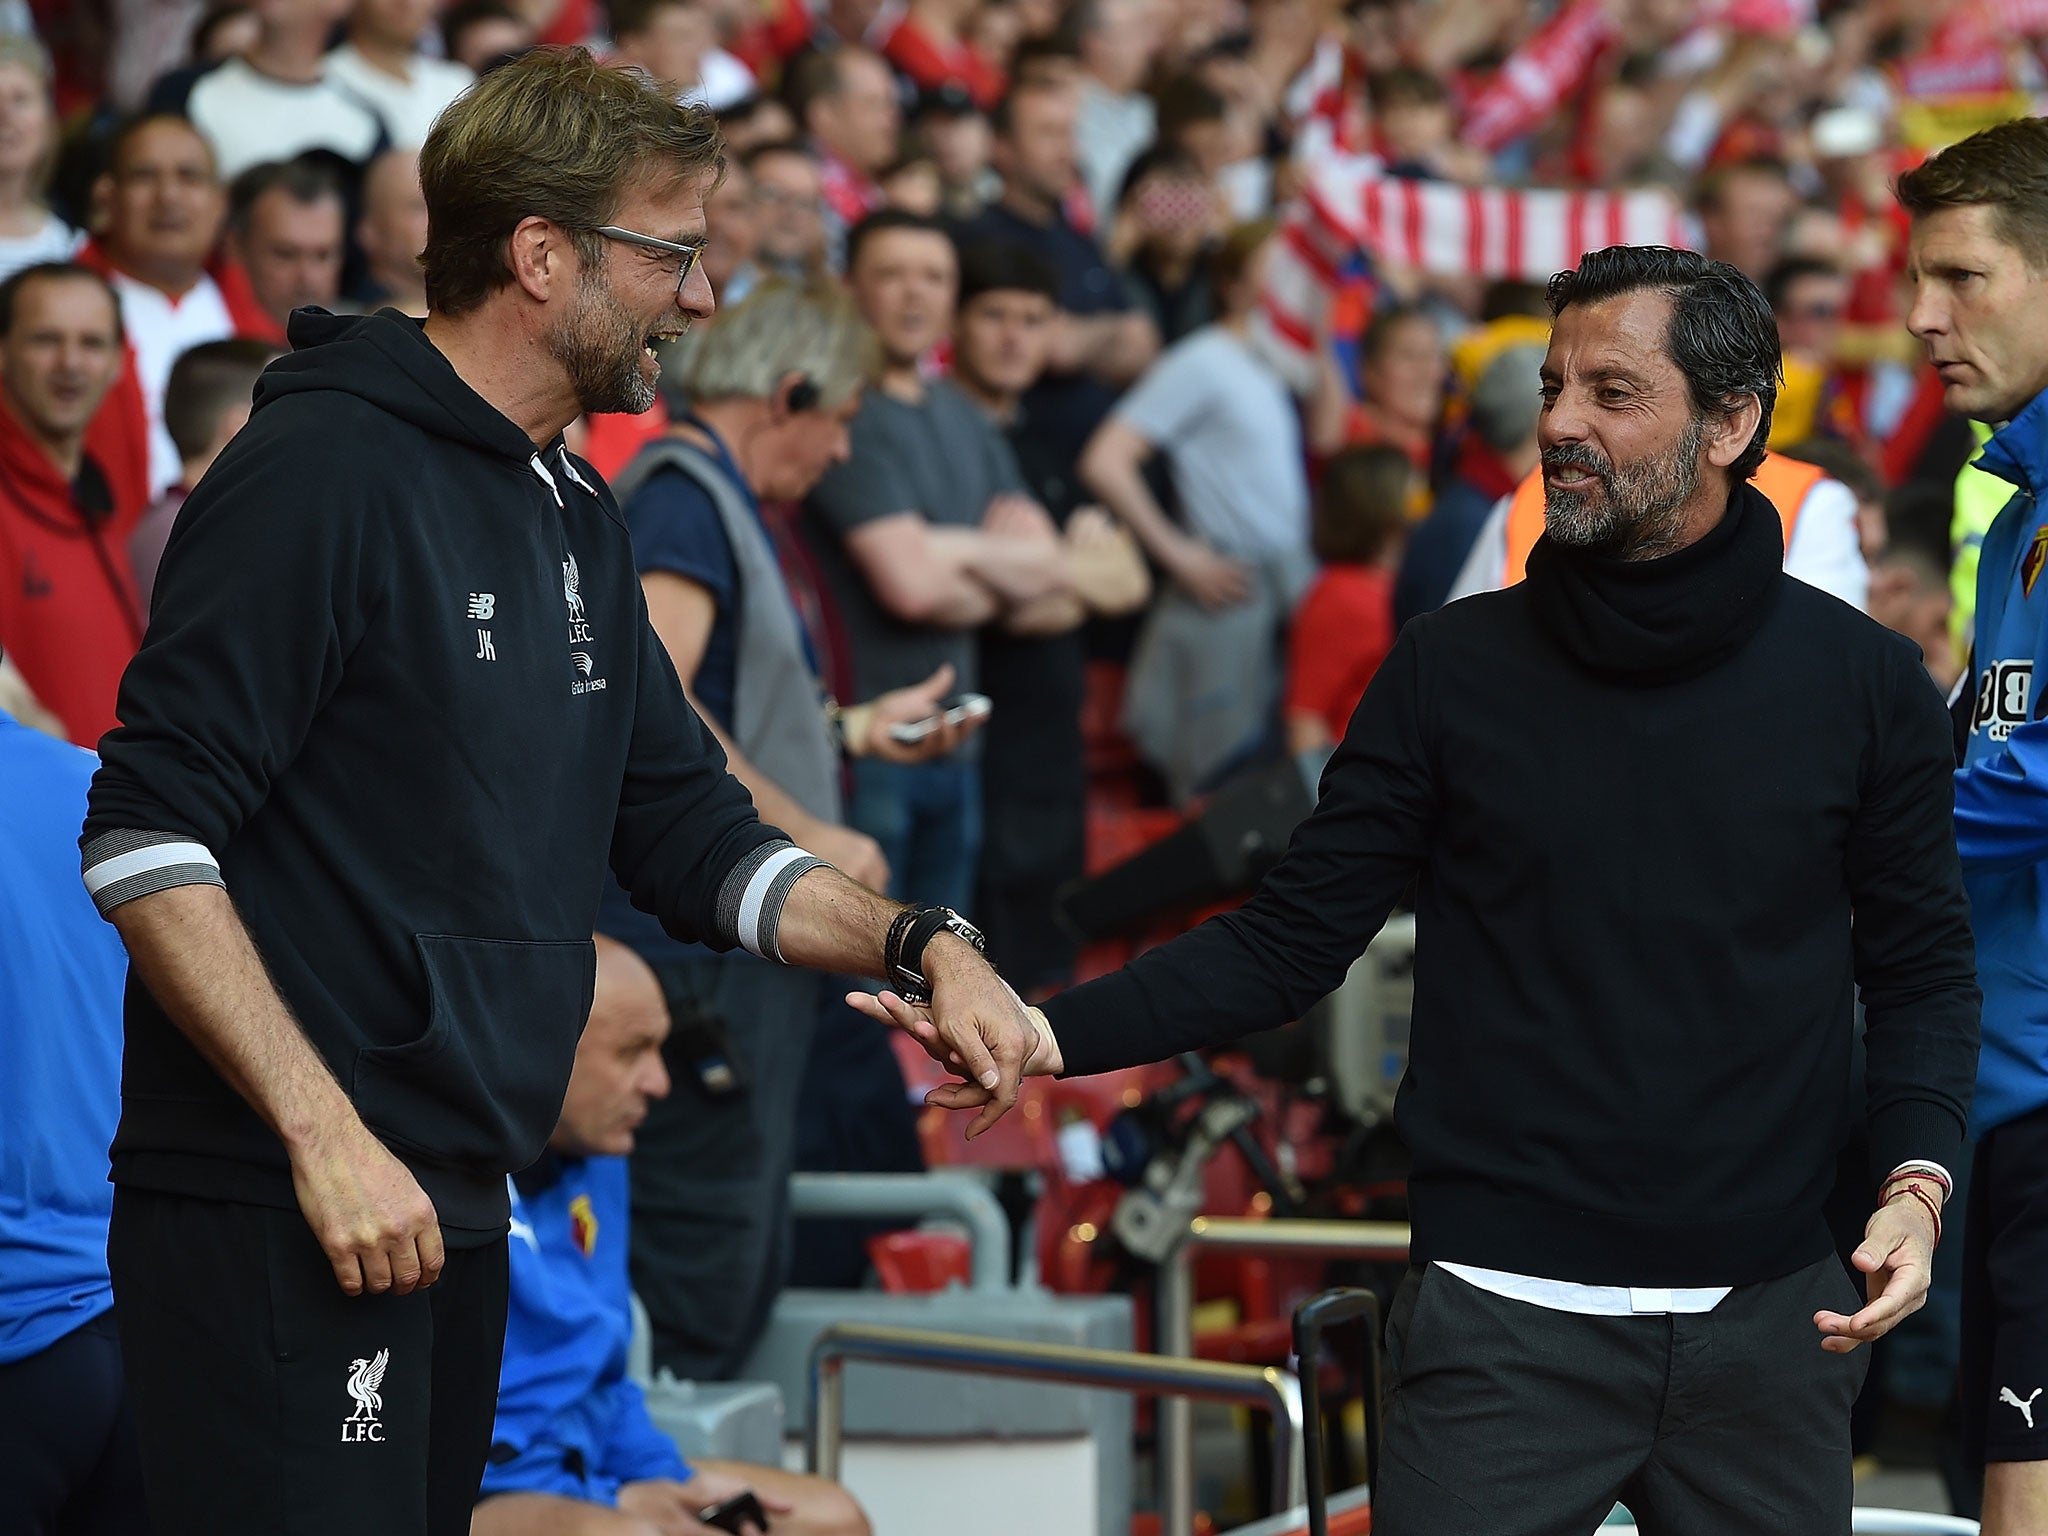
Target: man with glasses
[[1809, 298], [789, 211], [398, 709]]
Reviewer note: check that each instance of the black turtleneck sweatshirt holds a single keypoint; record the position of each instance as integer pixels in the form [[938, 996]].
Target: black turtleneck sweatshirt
[[1642, 801]]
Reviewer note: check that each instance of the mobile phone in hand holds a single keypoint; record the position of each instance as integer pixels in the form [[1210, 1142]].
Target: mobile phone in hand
[[958, 710], [734, 1514]]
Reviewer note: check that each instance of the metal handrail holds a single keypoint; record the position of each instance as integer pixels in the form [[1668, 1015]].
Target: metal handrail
[[1174, 1320], [1268, 1387], [916, 1195], [1878, 1522]]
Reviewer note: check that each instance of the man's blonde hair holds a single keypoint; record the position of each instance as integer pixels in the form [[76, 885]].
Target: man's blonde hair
[[779, 329], [553, 135]]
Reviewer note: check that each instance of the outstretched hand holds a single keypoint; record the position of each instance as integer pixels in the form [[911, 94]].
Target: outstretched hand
[[982, 1031], [1898, 1255]]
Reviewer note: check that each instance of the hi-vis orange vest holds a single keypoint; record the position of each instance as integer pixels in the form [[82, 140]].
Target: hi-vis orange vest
[[1784, 482]]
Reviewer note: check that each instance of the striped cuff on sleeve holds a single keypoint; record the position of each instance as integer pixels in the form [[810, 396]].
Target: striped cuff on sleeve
[[121, 865], [750, 902]]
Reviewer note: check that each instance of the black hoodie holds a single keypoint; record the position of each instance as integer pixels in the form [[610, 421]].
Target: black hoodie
[[400, 681], [1641, 798]]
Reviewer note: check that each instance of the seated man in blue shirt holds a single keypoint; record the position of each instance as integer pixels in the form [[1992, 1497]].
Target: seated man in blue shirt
[[574, 1452]]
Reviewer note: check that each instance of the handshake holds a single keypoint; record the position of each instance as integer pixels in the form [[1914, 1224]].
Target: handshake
[[975, 1025]]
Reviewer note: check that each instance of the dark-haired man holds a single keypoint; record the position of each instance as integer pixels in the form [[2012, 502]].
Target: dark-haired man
[[1809, 298], [1099, 342], [846, 103], [286, 222], [926, 535], [1979, 211], [1033, 780], [789, 211], [377, 754], [1744, 209], [480, 35], [69, 617], [1640, 795], [164, 206]]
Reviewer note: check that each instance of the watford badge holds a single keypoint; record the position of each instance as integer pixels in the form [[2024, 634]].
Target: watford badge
[[2037, 556], [583, 1225]]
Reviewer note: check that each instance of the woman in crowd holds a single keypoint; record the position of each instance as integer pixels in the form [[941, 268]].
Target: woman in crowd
[[29, 232], [1402, 368]]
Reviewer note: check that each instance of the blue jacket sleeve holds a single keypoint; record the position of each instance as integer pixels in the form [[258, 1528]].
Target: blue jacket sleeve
[[2002, 804], [634, 1450]]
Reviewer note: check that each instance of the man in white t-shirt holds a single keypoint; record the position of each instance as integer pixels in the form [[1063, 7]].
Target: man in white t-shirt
[[278, 100], [1205, 675], [382, 63], [1232, 440], [164, 205], [676, 41], [1119, 41]]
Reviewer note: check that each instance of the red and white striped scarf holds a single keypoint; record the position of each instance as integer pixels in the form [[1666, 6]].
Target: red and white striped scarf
[[1539, 75], [1561, 58], [1524, 234]]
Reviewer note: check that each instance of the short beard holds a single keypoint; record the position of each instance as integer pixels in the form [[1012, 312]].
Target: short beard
[[1636, 512], [599, 343]]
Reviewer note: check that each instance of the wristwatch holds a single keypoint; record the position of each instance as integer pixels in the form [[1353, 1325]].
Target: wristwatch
[[903, 952]]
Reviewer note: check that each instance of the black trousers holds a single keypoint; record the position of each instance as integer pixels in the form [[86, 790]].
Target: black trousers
[[68, 1463], [270, 1403], [1508, 1419], [711, 1227], [2005, 1295]]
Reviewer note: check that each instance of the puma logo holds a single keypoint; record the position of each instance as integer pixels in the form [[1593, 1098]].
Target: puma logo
[[2007, 1395]]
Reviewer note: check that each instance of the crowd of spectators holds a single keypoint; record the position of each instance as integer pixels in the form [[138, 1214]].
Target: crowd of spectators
[[1128, 405], [1136, 162]]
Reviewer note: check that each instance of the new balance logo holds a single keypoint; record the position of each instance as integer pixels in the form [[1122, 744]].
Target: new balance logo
[[2007, 1395], [485, 651], [482, 605], [364, 1378]]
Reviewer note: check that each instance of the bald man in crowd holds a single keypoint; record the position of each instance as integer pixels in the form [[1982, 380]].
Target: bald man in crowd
[[574, 1451]]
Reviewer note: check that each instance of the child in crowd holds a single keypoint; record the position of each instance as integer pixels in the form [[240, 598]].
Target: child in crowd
[[1345, 624], [205, 404]]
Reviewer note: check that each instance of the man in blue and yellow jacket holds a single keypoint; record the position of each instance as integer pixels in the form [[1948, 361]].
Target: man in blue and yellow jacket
[[1980, 219], [573, 1450]]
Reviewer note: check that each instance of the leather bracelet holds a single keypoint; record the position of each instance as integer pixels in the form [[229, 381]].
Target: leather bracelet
[[1926, 1200], [926, 925], [892, 946]]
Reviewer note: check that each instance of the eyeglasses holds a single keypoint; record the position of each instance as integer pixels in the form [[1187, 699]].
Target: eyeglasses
[[689, 253], [775, 197]]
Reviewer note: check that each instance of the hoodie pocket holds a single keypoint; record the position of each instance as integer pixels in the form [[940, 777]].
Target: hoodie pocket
[[483, 1087]]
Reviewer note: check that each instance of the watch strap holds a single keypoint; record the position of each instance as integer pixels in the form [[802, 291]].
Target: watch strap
[[927, 923]]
